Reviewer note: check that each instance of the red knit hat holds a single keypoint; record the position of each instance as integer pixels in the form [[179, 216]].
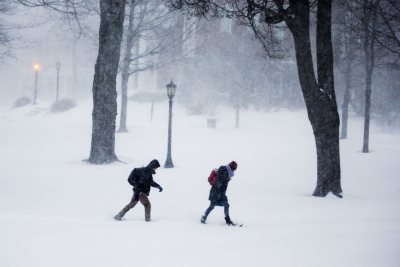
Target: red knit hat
[[233, 165]]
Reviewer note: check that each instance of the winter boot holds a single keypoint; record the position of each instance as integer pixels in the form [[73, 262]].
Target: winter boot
[[147, 216], [337, 195], [228, 221], [203, 219], [119, 217]]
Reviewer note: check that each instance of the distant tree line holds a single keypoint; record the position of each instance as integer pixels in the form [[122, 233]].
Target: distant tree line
[[362, 36], [366, 38]]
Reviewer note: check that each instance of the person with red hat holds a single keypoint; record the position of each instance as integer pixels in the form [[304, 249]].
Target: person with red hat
[[217, 195]]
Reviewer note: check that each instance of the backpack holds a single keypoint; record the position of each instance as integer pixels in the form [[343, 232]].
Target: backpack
[[134, 177], [212, 179]]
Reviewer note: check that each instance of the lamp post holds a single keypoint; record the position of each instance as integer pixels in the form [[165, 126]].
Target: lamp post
[[36, 69], [58, 65], [171, 88]]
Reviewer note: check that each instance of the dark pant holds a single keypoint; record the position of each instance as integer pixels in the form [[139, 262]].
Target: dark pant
[[145, 202], [224, 204]]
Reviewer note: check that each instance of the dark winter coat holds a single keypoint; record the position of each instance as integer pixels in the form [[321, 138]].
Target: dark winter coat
[[218, 191], [145, 180]]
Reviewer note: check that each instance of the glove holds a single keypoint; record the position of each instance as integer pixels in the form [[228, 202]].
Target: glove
[[160, 188]]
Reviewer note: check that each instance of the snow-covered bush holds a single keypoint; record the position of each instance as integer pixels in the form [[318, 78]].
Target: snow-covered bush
[[22, 101], [63, 105]]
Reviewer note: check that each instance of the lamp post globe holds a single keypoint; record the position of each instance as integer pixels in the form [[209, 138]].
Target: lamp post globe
[[171, 88]]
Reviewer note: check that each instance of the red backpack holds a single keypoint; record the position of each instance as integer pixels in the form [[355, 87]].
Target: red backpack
[[212, 179]]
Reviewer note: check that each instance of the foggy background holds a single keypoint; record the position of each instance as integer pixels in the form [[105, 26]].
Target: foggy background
[[212, 63]]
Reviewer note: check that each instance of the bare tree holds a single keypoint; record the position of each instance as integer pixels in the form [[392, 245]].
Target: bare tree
[[369, 20], [126, 61], [104, 83], [152, 21], [5, 28], [379, 26], [319, 93], [348, 46], [74, 8], [71, 11], [387, 35]]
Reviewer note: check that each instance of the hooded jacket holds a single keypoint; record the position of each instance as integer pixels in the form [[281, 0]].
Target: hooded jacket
[[146, 178], [218, 191]]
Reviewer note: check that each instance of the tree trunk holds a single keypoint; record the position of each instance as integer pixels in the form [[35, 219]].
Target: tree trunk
[[349, 49], [368, 83], [327, 138], [104, 82], [346, 98], [126, 61], [124, 102], [136, 77], [370, 14], [319, 96]]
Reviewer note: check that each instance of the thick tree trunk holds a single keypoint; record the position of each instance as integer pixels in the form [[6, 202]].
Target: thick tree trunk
[[104, 82], [125, 70], [327, 138], [319, 96]]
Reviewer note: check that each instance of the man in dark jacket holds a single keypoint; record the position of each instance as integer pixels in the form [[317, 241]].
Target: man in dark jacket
[[141, 189], [217, 195]]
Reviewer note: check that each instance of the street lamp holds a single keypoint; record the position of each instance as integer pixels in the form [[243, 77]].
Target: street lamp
[[36, 68], [171, 88], [58, 65]]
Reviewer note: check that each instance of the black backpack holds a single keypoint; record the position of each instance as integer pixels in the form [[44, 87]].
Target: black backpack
[[134, 177]]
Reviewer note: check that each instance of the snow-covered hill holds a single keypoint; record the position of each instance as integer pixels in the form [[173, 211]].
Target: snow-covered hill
[[56, 210]]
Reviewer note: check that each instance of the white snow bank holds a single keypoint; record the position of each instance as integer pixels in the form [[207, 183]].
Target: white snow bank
[[56, 210]]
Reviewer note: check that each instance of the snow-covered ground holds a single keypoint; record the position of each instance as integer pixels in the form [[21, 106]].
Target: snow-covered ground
[[56, 210]]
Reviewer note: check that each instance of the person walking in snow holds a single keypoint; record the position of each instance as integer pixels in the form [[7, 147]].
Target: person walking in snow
[[142, 180], [217, 195]]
